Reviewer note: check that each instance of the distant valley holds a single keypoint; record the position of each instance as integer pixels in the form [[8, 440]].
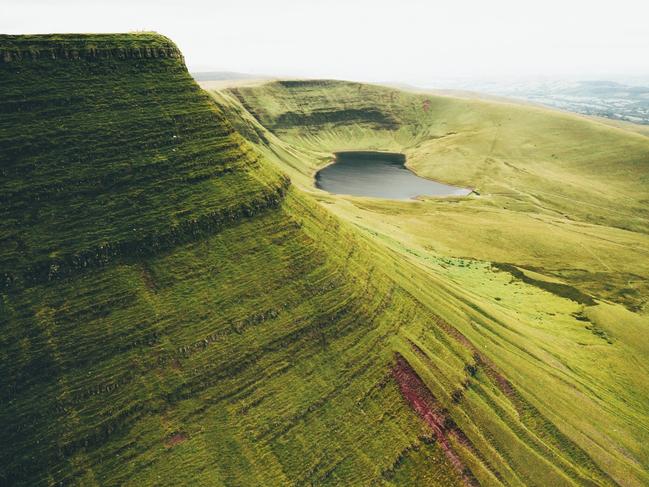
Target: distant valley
[[610, 99]]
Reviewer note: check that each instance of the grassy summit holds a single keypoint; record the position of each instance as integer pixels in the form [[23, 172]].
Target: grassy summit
[[175, 312]]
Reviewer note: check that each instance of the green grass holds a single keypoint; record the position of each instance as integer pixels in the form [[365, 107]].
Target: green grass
[[561, 206], [166, 319], [176, 312], [557, 192], [113, 155]]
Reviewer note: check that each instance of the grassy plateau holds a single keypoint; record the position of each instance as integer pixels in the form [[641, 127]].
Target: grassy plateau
[[180, 306]]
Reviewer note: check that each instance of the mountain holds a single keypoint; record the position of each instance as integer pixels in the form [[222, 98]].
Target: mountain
[[179, 308]]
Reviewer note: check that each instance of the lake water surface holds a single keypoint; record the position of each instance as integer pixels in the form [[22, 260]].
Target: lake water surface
[[380, 175]]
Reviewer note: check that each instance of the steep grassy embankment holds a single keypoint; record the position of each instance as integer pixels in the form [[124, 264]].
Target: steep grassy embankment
[[165, 319], [109, 149]]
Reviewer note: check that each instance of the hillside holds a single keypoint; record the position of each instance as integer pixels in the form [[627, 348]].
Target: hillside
[[175, 312], [582, 184], [560, 207]]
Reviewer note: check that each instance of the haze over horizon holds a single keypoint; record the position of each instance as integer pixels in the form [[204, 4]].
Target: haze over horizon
[[414, 41]]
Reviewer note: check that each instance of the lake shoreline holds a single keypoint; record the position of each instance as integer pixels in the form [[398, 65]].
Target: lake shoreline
[[379, 174]]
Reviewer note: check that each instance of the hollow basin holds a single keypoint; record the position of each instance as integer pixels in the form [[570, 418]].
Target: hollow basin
[[379, 175]]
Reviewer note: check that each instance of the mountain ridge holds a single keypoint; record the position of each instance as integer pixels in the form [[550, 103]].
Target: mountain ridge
[[284, 345]]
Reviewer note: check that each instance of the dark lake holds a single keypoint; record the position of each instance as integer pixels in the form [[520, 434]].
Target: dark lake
[[380, 175]]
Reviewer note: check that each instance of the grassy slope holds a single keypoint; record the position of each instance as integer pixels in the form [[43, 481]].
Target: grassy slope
[[165, 317], [562, 197], [94, 170], [535, 169], [172, 312]]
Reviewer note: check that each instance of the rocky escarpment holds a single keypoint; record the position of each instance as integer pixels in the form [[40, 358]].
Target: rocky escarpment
[[111, 151], [88, 46]]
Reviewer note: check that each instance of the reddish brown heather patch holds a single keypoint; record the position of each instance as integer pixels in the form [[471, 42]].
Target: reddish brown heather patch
[[426, 105], [176, 439], [422, 401]]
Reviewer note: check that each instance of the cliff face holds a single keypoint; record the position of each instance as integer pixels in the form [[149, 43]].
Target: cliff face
[[89, 46], [300, 105], [110, 150]]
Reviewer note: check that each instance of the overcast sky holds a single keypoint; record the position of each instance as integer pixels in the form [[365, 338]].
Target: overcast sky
[[410, 41]]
